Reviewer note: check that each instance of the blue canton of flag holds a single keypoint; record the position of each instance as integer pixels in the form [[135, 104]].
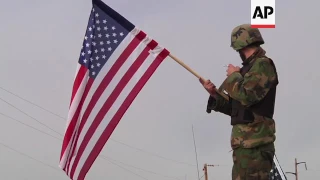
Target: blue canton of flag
[[102, 37]]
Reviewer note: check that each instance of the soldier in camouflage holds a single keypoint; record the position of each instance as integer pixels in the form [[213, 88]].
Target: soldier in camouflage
[[251, 90]]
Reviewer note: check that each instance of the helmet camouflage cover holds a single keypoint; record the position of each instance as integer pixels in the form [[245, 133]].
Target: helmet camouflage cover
[[243, 35]]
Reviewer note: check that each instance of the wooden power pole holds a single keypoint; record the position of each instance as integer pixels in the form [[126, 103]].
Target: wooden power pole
[[296, 167], [205, 169]]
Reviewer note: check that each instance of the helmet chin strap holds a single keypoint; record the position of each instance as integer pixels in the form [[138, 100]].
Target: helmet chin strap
[[243, 57]]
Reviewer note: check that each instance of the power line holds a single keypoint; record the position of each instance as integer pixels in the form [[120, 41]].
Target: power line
[[29, 116], [55, 114], [29, 126], [52, 167], [153, 154], [108, 158], [102, 156], [26, 100], [126, 169], [26, 155]]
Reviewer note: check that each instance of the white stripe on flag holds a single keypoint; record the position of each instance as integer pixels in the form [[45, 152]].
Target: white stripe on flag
[[96, 83], [279, 168], [72, 109], [114, 108]]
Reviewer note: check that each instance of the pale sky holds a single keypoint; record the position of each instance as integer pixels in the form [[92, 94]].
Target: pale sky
[[40, 46]]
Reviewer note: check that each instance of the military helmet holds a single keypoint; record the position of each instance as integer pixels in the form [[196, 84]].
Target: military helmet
[[243, 36]]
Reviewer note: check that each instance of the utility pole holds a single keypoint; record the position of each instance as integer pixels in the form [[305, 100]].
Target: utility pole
[[205, 169], [296, 167]]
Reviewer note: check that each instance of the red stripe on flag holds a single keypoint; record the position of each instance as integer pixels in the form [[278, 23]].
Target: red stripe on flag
[[73, 122], [77, 82], [117, 117], [109, 102], [105, 82]]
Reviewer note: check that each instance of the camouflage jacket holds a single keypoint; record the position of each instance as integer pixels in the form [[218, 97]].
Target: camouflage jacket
[[249, 90]]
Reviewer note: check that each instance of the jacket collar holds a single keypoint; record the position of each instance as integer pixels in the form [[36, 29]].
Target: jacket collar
[[258, 53]]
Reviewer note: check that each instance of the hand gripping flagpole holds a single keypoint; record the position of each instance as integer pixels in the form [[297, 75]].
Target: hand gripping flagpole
[[197, 75]]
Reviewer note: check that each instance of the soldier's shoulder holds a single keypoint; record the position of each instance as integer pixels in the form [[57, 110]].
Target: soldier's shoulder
[[263, 59], [264, 62]]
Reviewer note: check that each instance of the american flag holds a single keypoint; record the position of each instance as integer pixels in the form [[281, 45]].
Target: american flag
[[276, 171], [116, 60]]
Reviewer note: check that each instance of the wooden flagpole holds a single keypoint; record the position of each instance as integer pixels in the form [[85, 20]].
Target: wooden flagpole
[[195, 74]]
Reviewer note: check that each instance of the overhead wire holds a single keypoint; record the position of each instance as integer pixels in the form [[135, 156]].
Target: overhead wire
[[55, 114], [102, 156], [29, 116], [127, 169], [108, 158], [36, 129], [26, 100], [30, 157], [55, 168]]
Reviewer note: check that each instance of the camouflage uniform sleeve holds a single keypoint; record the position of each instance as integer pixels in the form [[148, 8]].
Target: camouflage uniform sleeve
[[219, 104], [254, 85]]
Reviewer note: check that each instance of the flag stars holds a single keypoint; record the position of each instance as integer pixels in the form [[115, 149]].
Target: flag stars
[[101, 39]]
